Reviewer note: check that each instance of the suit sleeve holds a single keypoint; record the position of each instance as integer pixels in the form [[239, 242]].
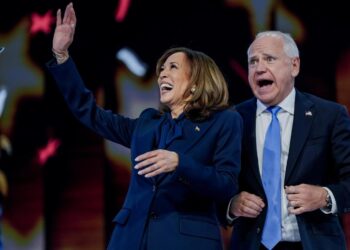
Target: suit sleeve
[[341, 155], [82, 104], [217, 181]]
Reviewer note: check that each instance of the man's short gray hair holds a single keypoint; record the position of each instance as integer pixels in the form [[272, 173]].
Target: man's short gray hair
[[289, 45]]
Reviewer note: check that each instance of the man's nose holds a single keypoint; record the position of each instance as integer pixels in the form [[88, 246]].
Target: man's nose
[[260, 66]]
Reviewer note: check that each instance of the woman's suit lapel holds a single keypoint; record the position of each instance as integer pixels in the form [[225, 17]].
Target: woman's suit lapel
[[193, 132]]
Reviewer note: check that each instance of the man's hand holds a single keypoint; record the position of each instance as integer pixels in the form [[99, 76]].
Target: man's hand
[[246, 205], [305, 198]]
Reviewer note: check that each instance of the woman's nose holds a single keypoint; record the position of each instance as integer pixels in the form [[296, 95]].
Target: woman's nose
[[161, 76], [163, 73]]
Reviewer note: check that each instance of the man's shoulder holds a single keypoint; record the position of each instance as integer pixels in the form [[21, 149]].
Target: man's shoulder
[[319, 101]]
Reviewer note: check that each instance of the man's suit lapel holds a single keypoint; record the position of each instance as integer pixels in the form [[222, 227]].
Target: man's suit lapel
[[303, 118]]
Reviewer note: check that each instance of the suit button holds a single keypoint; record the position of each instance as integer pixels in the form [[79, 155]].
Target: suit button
[[154, 188], [258, 230]]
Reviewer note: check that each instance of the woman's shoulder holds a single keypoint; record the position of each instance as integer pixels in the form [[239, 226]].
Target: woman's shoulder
[[228, 118], [229, 113], [150, 113]]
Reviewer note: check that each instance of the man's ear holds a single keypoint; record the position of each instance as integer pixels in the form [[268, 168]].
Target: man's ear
[[295, 66]]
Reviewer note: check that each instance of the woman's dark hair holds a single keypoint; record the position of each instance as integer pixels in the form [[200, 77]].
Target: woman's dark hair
[[211, 91]]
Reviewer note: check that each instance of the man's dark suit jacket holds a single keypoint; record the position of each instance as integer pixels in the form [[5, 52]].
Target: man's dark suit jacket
[[177, 209], [319, 154]]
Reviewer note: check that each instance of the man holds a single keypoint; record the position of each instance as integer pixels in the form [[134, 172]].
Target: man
[[313, 145]]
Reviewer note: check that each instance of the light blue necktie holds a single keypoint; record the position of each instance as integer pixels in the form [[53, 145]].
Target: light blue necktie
[[271, 176]]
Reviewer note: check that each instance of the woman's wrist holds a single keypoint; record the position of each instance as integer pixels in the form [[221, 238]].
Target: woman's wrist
[[61, 56]]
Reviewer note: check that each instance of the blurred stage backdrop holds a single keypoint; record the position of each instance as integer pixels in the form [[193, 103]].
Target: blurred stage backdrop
[[61, 184]]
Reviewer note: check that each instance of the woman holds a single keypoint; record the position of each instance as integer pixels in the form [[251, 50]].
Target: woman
[[185, 156]]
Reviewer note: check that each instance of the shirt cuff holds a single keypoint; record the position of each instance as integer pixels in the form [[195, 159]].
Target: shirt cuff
[[230, 219], [334, 208]]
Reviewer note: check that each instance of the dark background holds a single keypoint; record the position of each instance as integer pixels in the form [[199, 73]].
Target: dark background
[[64, 183]]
